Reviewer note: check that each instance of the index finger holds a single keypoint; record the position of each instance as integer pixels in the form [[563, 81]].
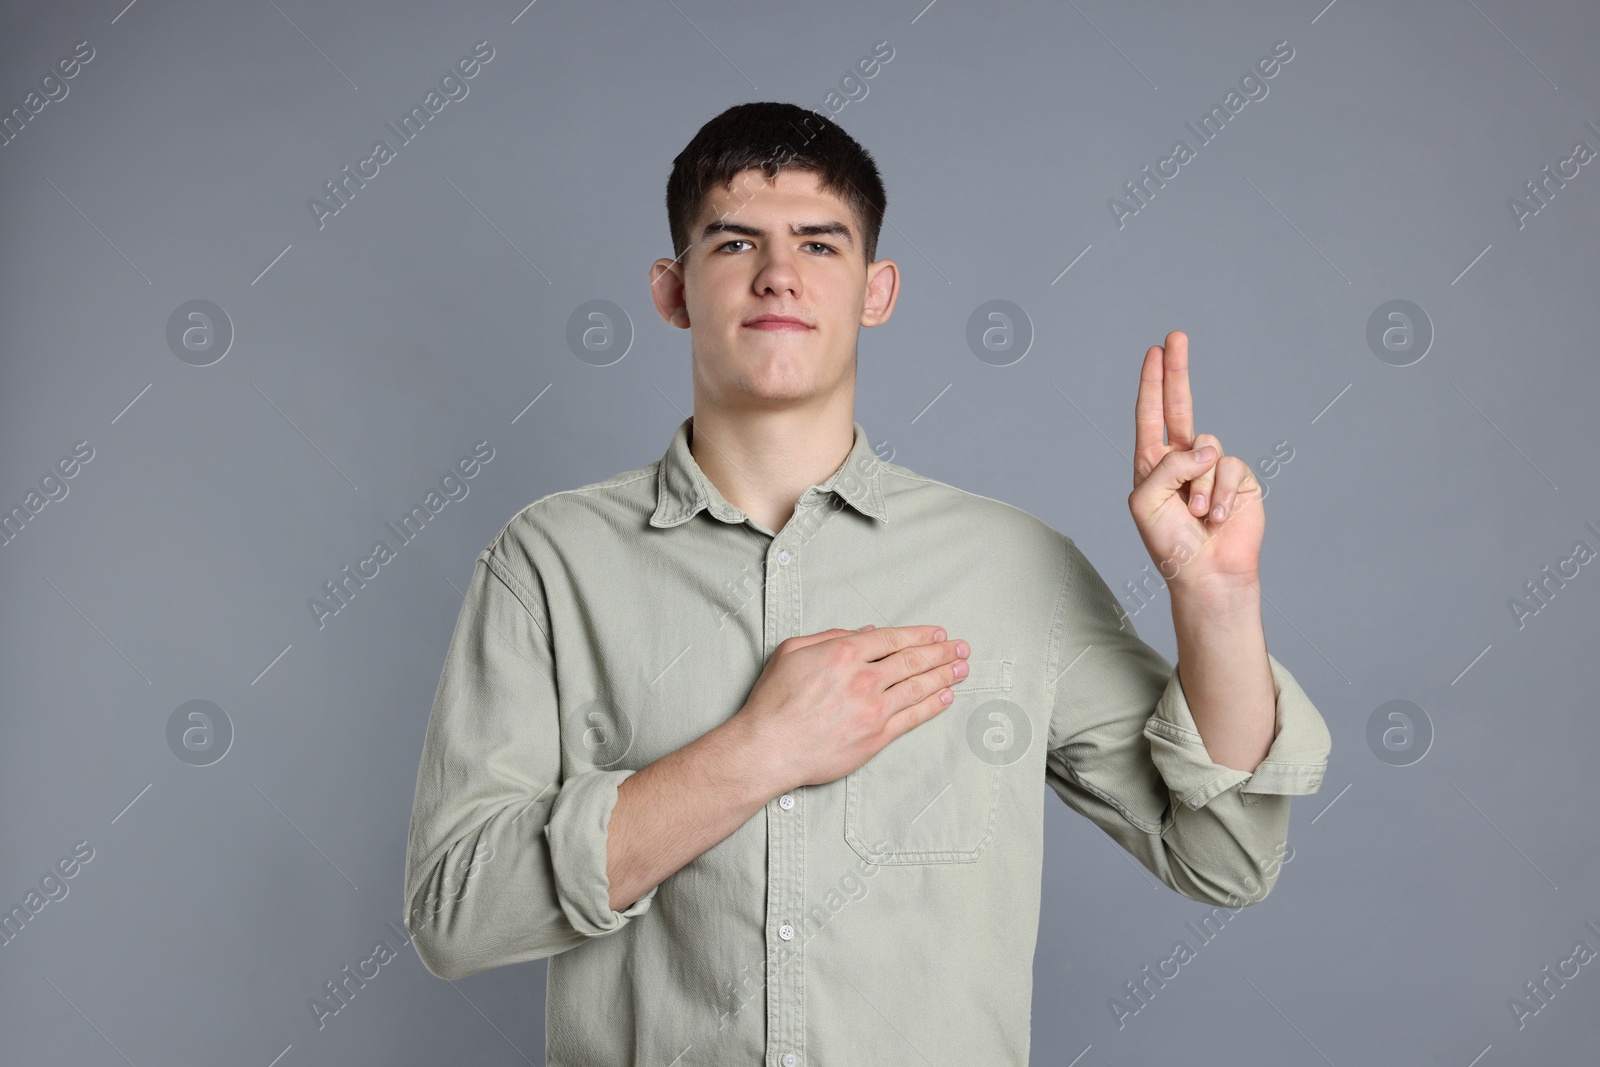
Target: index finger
[[1178, 404], [887, 640], [1148, 415]]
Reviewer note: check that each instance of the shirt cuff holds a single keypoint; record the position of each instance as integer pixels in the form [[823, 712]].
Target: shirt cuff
[[1293, 765], [576, 832]]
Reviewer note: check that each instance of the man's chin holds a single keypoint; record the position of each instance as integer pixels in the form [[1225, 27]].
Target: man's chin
[[771, 396]]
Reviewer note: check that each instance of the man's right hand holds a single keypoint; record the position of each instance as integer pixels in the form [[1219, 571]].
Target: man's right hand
[[828, 702]]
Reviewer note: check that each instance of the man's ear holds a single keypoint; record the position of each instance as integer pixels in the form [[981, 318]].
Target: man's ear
[[883, 289], [667, 292]]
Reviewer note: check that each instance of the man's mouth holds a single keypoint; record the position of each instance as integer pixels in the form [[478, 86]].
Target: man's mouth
[[776, 322]]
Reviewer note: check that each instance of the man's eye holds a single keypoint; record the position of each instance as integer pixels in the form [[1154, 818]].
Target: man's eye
[[829, 249]]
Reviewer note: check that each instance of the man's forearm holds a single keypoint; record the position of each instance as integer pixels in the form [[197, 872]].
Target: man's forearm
[[679, 806], [1222, 666]]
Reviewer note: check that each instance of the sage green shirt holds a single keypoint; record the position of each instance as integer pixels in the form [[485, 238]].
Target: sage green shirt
[[886, 918]]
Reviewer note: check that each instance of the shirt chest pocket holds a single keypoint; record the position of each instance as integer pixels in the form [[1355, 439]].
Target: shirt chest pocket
[[928, 796]]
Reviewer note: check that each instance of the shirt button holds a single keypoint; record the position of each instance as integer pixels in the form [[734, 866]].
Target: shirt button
[[786, 931], [783, 558], [786, 802], [788, 1059]]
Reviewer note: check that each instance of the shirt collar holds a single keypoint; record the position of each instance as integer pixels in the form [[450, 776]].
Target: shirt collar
[[682, 488]]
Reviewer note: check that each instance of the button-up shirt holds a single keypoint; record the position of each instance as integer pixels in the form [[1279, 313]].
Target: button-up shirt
[[888, 917]]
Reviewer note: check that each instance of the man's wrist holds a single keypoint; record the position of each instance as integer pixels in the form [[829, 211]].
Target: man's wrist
[[1217, 597], [749, 758]]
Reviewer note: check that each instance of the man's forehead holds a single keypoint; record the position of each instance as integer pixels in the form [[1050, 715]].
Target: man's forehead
[[752, 185]]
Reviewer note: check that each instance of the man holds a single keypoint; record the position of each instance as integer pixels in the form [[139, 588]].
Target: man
[[744, 827]]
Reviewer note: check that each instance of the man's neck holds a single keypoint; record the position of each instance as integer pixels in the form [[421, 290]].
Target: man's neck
[[762, 461]]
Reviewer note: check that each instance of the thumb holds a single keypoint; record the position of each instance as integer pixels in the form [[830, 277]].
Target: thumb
[[1177, 468], [799, 641]]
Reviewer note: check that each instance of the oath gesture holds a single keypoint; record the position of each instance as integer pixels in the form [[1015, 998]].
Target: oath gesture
[[1198, 511]]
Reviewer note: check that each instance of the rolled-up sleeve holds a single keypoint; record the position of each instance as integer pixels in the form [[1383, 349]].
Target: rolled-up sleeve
[[576, 836], [1124, 752], [1294, 765], [505, 860]]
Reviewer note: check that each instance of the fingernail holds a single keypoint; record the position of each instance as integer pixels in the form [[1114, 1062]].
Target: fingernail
[[1203, 454], [938, 635], [1200, 502]]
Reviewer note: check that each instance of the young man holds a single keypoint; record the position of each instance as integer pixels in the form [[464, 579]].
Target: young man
[[745, 828]]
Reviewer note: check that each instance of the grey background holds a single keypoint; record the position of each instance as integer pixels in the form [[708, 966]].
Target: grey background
[[432, 312]]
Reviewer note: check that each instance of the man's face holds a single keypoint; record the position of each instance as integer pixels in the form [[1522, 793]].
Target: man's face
[[765, 250]]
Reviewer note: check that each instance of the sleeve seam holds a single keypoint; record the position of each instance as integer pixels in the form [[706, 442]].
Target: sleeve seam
[[1136, 820], [1057, 617], [1173, 731], [514, 586]]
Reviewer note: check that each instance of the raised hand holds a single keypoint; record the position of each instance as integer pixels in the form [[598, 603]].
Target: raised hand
[[1199, 512]]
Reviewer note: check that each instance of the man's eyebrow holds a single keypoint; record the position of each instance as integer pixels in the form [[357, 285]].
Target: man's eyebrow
[[831, 228]]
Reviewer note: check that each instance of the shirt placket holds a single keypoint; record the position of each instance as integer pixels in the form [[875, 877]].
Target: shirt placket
[[785, 964]]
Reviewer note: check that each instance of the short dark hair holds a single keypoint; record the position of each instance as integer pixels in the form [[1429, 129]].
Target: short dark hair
[[769, 135]]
